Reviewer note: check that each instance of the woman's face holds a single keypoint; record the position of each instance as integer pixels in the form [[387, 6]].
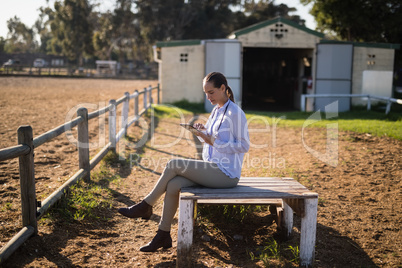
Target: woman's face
[[215, 95]]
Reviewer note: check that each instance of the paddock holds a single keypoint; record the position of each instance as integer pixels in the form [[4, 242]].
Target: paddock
[[357, 222]]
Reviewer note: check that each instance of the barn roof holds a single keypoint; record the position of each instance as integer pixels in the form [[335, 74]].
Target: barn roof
[[362, 44], [266, 23], [178, 43]]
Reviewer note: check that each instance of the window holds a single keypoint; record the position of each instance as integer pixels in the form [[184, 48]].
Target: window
[[278, 31], [183, 57]]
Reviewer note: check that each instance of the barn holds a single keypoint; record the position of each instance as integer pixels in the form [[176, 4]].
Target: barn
[[269, 66]]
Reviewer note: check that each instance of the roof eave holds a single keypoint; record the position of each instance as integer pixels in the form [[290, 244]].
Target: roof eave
[[266, 23], [177, 43]]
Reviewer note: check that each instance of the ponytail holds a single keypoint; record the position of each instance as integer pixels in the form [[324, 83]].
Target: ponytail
[[218, 80], [229, 93]]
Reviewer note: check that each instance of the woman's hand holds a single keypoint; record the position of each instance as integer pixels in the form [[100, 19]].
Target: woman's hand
[[207, 138], [199, 126]]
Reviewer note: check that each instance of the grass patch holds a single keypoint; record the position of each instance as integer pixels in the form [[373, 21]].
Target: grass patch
[[228, 213], [372, 122], [8, 206], [277, 253], [224, 221], [178, 109], [168, 111], [85, 202], [193, 107], [88, 202]]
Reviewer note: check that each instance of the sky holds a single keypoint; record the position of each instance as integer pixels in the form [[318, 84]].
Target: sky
[[28, 11]]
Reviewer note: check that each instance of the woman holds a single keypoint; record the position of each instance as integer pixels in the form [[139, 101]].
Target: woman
[[226, 140]]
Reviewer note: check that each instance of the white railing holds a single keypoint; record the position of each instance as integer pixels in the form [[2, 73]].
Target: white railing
[[25, 151], [369, 98]]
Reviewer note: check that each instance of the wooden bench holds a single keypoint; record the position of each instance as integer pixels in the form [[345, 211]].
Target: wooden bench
[[286, 193]]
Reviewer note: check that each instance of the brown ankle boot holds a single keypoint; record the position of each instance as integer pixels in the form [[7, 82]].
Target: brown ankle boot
[[141, 210], [162, 239]]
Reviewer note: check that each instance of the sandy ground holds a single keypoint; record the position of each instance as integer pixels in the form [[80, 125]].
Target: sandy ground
[[359, 206]]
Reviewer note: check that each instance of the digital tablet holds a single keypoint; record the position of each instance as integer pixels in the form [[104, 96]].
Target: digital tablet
[[190, 128]]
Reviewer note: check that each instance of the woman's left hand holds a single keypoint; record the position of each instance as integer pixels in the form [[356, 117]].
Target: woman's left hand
[[207, 138]]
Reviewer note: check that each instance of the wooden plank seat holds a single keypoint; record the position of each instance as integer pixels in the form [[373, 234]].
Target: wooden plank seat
[[286, 194]]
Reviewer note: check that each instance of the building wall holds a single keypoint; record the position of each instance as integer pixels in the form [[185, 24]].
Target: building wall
[[182, 72], [279, 35], [369, 58]]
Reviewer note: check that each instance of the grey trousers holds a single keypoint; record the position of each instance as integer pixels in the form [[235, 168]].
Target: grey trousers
[[180, 173]]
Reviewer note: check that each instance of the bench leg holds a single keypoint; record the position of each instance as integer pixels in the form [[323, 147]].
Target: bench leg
[[287, 219], [308, 232], [185, 233]]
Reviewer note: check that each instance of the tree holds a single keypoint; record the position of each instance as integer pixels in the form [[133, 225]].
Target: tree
[[214, 19], [264, 10], [2, 44], [20, 37], [124, 30], [102, 38], [118, 32], [42, 27], [72, 30], [203, 19], [163, 20], [360, 20]]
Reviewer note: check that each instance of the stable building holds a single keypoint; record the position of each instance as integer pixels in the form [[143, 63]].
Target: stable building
[[269, 66]]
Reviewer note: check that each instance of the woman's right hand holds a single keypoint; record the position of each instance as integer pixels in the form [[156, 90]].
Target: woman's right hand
[[199, 126]]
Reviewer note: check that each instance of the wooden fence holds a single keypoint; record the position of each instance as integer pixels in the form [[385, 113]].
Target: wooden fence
[[25, 151], [369, 98]]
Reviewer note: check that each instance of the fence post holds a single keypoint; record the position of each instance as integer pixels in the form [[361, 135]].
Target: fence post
[[303, 102], [150, 95], [158, 89], [83, 143], [112, 125], [388, 106], [27, 179], [145, 98], [368, 103], [136, 106], [124, 113]]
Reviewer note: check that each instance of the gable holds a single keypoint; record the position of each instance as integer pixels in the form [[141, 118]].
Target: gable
[[278, 32]]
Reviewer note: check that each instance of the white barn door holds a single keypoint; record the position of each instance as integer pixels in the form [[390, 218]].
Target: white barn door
[[334, 74], [225, 56]]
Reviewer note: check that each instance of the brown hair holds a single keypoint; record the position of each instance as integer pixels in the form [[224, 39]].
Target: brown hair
[[218, 79]]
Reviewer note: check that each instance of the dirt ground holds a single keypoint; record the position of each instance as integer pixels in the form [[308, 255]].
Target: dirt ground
[[359, 199]]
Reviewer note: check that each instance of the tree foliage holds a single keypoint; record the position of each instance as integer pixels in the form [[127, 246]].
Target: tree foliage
[[360, 20], [71, 29], [74, 29], [117, 31], [203, 19], [42, 27], [20, 37], [2, 44], [265, 9]]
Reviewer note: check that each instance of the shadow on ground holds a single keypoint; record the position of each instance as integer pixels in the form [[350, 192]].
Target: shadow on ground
[[258, 231]]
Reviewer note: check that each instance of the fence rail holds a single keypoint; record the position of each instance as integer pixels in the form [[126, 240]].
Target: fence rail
[[25, 151], [14, 152], [369, 98], [57, 131]]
